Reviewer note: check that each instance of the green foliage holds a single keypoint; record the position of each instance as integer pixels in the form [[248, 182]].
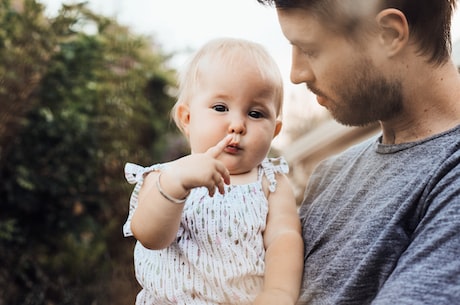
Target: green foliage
[[101, 101], [27, 41]]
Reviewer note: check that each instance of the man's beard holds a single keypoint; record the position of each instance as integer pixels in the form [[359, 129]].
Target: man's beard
[[365, 96]]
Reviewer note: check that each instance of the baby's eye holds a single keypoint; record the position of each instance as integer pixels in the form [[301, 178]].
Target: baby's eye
[[256, 114], [220, 108]]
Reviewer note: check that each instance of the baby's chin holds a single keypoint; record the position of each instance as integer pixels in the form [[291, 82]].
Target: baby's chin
[[242, 175], [238, 165], [236, 172]]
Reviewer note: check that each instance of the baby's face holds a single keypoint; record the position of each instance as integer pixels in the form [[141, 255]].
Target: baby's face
[[233, 99]]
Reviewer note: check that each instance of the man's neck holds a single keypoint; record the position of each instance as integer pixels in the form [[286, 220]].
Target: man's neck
[[431, 106]]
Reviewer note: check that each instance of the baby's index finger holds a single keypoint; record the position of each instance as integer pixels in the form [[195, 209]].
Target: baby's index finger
[[216, 150]]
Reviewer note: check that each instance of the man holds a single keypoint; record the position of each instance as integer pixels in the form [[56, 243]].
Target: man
[[381, 221]]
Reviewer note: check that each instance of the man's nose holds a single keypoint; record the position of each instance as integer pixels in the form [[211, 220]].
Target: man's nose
[[301, 71]]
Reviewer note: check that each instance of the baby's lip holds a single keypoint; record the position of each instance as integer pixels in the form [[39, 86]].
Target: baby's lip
[[233, 148], [235, 142]]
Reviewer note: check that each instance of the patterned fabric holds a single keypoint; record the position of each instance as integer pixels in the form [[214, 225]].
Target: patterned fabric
[[218, 255]]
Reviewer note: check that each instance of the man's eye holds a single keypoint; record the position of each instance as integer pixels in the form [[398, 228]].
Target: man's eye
[[220, 108], [256, 114], [309, 53]]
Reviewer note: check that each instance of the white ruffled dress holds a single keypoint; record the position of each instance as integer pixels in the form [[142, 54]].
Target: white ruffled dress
[[218, 255]]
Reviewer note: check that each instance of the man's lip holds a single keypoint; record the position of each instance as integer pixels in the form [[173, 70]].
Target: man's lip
[[320, 97], [321, 100]]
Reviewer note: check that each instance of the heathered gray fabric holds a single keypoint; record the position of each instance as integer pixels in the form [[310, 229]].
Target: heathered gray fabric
[[381, 225]]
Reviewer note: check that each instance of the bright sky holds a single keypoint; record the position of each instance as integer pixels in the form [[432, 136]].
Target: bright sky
[[179, 25]]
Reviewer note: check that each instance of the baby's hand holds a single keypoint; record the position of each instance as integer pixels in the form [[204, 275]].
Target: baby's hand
[[203, 169], [216, 150]]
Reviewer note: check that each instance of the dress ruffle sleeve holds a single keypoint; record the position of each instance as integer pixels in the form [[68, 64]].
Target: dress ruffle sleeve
[[135, 175], [273, 166]]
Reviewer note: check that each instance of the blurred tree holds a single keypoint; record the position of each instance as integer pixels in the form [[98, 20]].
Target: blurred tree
[[100, 98], [27, 41]]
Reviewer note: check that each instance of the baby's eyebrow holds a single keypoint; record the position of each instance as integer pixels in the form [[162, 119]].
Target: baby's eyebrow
[[263, 103]]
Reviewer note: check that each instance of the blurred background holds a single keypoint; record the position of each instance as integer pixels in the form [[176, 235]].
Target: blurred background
[[86, 87]]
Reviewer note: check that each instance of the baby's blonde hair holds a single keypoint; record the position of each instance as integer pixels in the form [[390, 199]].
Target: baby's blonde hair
[[226, 49]]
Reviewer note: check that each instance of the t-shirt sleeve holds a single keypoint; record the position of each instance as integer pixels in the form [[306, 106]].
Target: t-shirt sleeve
[[428, 272]]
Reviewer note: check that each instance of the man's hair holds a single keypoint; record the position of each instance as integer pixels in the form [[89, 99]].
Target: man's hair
[[429, 20]]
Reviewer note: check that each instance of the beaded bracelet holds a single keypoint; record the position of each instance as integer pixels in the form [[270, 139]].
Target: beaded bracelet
[[167, 196]]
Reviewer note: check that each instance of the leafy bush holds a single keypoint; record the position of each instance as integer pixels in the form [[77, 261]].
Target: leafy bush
[[100, 100]]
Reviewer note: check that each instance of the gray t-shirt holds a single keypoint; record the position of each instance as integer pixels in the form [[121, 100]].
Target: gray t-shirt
[[381, 225]]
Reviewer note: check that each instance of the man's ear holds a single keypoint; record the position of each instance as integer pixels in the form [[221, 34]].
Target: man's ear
[[393, 30], [278, 126], [183, 114]]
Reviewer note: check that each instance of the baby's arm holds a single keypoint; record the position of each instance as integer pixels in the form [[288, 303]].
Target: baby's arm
[[284, 248], [156, 219]]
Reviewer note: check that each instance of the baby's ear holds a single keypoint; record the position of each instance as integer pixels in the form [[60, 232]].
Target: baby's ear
[[278, 126], [183, 114]]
